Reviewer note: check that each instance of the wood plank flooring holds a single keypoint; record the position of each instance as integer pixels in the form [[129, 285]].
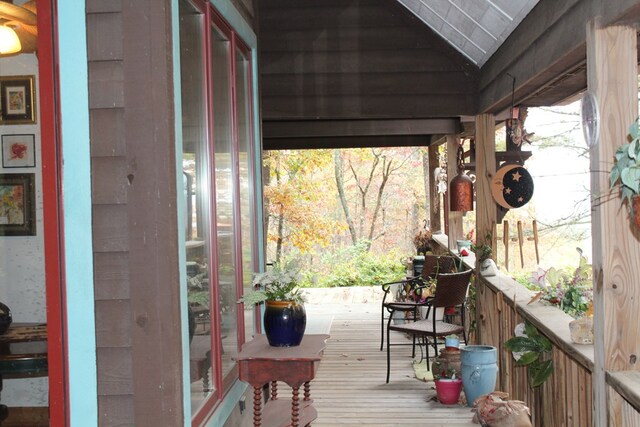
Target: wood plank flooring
[[350, 387]]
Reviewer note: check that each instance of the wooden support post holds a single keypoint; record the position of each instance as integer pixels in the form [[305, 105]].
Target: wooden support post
[[455, 218], [485, 208], [485, 170], [434, 196], [612, 77]]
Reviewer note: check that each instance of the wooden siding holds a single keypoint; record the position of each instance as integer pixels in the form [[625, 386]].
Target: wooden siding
[[358, 59], [134, 217]]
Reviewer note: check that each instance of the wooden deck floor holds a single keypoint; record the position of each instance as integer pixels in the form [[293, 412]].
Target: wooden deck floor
[[350, 387]]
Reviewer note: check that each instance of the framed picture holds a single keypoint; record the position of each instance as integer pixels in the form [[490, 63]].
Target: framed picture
[[17, 204], [17, 100], [18, 151]]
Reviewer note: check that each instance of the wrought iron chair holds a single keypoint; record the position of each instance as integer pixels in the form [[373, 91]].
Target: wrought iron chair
[[404, 296], [451, 291]]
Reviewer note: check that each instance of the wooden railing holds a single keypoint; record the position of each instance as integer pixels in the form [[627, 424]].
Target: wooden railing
[[565, 399]]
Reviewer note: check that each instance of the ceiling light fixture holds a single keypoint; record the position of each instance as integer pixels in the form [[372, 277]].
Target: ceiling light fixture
[[9, 41]]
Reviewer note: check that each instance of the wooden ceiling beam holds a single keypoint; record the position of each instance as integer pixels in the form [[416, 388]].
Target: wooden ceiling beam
[[550, 41], [351, 128], [345, 142]]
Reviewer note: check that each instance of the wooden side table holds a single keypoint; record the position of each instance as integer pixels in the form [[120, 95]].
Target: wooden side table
[[23, 353], [261, 364]]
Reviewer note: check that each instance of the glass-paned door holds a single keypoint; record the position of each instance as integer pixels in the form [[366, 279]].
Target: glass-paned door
[[196, 166], [246, 165], [224, 199]]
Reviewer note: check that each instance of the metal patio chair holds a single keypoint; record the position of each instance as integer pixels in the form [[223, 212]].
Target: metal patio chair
[[451, 291], [404, 296]]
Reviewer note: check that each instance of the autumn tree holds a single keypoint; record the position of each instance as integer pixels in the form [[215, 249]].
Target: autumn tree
[[295, 194], [362, 178]]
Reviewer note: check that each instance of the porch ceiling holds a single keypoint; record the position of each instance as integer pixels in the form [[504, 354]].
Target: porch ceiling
[[474, 28]]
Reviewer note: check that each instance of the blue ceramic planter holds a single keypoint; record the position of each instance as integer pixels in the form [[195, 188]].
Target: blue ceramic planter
[[479, 370], [5, 318], [284, 323]]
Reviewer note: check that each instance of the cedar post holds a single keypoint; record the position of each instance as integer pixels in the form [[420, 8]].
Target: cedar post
[[485, 206], [612, 78]]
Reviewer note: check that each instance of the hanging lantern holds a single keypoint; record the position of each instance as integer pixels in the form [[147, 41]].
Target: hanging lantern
[[461, 187]]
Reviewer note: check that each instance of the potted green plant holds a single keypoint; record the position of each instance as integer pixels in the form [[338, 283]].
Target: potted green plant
[[448, 384], [285, 318], [626, 172], [532, 349]]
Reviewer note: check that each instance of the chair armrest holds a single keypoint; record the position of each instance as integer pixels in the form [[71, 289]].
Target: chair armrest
[[386, 287]]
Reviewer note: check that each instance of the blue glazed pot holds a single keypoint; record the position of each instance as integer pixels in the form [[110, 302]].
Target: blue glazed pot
[[284, 323], [479, 370]]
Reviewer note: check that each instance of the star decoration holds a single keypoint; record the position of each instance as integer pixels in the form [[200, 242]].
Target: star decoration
[[517, 176], [507, 190]]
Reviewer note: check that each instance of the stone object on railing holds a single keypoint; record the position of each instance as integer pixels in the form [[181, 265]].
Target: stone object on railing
[[582, 330], [488, 268]]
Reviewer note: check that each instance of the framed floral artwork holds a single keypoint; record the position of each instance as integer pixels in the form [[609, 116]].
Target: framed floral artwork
[[17, 204], [17, 100], [18, 151]]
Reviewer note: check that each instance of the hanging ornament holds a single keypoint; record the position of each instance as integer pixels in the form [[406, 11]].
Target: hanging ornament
[[461, 187], [512, 186]]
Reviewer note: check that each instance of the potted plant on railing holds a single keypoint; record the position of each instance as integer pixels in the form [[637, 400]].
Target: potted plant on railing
[[285, 318], [465, 243], [626, 172], [448, 384]]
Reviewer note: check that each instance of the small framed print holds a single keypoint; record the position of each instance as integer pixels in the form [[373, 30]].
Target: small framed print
[[18, 151], [17, 100], [17, 204]]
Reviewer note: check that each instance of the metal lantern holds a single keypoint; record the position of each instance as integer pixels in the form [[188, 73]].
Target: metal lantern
[[461, 187]]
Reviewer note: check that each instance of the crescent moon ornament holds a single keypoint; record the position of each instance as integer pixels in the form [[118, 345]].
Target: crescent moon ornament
[[512, 186]]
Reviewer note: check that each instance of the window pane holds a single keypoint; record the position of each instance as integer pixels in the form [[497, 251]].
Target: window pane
[[243, 114], [196, 167], [221, 57]]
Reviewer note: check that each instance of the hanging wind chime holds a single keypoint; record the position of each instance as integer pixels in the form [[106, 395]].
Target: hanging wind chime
[[461, 187]]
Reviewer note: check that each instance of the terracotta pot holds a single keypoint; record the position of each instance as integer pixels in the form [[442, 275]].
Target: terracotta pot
[[635, 211], [448, 390]]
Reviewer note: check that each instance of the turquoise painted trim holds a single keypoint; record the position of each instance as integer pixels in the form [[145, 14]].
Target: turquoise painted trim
[[181, 205], [257, 135], [233, 17], [228, 405], [76, 192]]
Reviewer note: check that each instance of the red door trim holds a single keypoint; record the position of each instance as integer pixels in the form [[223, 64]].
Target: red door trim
[[53, 227]]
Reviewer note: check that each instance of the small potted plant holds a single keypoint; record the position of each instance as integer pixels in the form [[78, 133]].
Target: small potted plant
[[452, 342], [285, 318], [626, 172], [448, 384], [465, 243]]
